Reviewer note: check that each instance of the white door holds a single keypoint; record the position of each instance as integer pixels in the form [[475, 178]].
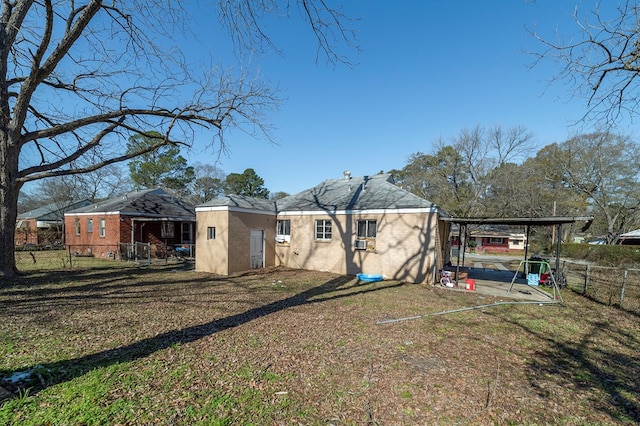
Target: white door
[[257, 249]]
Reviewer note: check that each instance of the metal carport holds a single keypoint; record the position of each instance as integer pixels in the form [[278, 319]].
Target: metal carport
[[526, 222]]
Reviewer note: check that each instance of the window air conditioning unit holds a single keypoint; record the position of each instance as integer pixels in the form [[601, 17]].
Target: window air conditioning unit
[[361, 244]]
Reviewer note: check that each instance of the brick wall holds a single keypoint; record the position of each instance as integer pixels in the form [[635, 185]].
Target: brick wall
[[117, 230], [89, 239]]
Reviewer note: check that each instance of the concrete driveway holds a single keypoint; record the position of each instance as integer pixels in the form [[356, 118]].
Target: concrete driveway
[[493, 275]]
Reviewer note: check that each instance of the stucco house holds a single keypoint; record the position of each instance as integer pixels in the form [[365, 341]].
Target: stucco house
[[44, 226], [148, 216], [348, 226]]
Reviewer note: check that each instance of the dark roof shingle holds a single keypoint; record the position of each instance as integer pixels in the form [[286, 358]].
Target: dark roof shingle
[[153, 203]]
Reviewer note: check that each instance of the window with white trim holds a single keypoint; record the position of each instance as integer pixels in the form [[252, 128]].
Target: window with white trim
[[103, 228], [495, 240], [283, 231], [89, 225], [323, 229], [366, 232], [367, 228], [77, 225]]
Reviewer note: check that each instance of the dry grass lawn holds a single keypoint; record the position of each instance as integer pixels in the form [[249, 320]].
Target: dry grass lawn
[[162, 345]]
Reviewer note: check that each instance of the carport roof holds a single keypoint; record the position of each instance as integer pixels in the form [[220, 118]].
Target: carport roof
[[522, 221]]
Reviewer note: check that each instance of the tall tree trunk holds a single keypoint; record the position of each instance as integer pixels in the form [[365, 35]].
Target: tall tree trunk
[[9, 190]]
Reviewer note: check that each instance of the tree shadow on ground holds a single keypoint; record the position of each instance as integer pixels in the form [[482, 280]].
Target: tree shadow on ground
[[66, 370], [603, 356]]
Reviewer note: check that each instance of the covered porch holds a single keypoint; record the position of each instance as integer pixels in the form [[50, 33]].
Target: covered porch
[[508, 276]]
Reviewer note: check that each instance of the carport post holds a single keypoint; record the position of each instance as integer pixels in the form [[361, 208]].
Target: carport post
[[460, 247], [558, 247], [459, 242], [526, 251]]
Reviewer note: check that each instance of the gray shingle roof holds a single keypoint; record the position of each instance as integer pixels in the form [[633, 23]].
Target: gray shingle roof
[[52, 212], [241, 201], [355, 193], [152, 203]]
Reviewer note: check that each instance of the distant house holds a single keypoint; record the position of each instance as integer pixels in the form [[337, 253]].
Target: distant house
[[44, 226], [630, 238], [346, 226], [148, 216], [493, 239]]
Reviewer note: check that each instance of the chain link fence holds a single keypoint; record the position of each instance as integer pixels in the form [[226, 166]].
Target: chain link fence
[[36, 258], [610, 286]]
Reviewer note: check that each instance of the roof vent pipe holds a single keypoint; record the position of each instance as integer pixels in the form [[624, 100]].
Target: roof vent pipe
[[347, 174]]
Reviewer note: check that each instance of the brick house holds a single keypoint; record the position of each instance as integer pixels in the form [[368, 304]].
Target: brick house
[[44, 226], [347, 226], [493, 239], [148, 216]]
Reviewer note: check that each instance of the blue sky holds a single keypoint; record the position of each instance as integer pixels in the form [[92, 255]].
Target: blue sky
[[426, 70]]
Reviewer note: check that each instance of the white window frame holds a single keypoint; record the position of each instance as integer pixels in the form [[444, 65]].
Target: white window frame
[[367, 228], [283, 231], [89, 225], [323, 229], [102, 228], [366, 233], [77, 225], [496, 240]]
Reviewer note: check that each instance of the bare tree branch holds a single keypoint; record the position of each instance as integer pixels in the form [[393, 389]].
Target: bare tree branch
[[602, 64], [79, 77]]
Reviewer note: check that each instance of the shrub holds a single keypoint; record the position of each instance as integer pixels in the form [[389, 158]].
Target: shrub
[[606, 255]]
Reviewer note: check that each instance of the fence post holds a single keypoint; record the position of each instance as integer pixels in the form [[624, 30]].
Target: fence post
[[69, 251], [586, 280], [624, 284]]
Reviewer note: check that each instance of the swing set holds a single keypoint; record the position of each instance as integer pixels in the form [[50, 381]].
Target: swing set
[[538, 271]]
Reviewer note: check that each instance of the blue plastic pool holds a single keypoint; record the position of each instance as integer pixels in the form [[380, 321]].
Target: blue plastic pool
[[369, 278]]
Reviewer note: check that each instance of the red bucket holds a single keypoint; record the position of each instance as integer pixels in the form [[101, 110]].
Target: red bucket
[[471, 284]]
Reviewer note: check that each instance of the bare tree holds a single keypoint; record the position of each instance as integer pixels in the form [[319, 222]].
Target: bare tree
[[77, 78], [602, 61], [603, 168], [459, 176], [511, 144], [208, 184], [106, 182]]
